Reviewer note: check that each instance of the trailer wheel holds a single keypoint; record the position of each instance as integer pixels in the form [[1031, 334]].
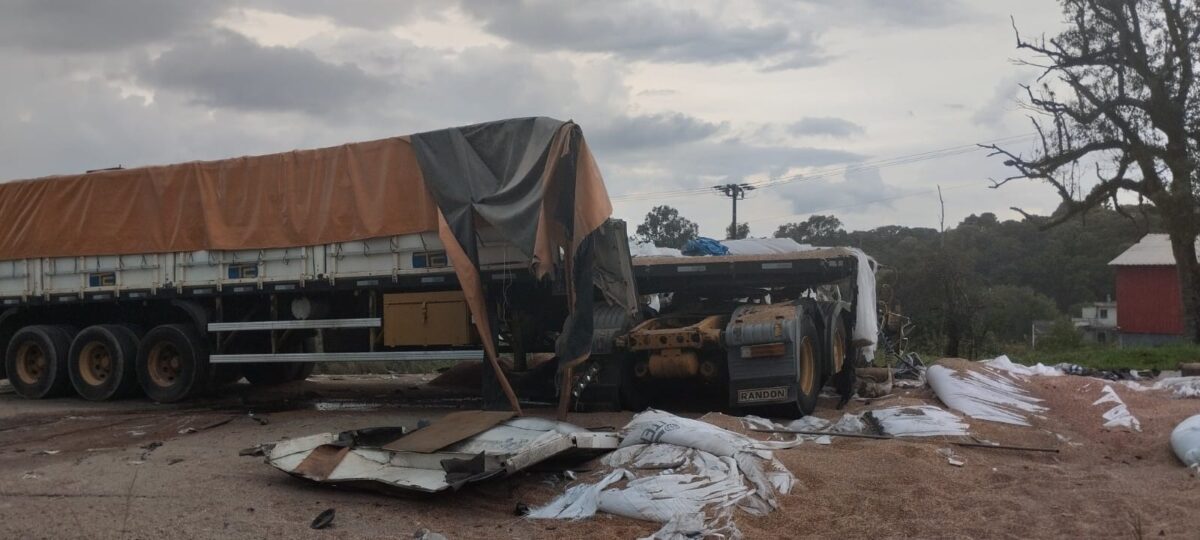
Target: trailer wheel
[[808, 367], [839, 363], [173, 363], [36, 361], [103, 362]]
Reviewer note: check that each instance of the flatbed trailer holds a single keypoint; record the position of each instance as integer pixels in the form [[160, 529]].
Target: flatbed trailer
[[465, 243]]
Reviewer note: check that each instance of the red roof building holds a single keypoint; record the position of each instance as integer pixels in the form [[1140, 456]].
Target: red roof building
[[1151, 307]]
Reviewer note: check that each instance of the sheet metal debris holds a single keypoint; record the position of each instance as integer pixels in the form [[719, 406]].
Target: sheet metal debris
[[362, 458]]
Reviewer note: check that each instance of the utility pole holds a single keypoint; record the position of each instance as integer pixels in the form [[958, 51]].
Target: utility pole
[[734, 192]]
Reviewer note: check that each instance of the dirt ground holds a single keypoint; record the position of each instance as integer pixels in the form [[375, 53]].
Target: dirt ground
[[70, 469]]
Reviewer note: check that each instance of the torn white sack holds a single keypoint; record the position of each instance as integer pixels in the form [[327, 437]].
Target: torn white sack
[[1185, 441], [919, 421], [1180, 387], [1118, 415], [1003, 363], [984, 394], [674, 467]]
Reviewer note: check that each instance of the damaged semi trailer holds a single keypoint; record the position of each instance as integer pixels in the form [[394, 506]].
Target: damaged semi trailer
[[462, 243]]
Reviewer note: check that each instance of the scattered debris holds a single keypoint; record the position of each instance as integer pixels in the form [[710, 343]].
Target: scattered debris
[[426, 534], [31, 475], [46, 452], [147, 448], [687, 474], [259, 450], [188, 430], [1118, 415], [136, 433], [873, 382], [1003, 363], [324, 519], [985, 394], [173, 461], [951, 457], [447, 459], [1180, 387], [898, 421], [261, 420], [1185, 441], [521, 510]]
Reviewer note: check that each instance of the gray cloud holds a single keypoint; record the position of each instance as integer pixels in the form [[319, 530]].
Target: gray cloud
[[225, 69], [993, 113], [55, 26], [857, 192], [825, 125], [650, 131], [909, 13], [369, 14], [646, 31]]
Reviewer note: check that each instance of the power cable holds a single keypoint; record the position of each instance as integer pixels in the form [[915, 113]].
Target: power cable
[[876, 164]]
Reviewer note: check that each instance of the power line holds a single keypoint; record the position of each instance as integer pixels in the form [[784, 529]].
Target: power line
[[866, 203], [876, 164]]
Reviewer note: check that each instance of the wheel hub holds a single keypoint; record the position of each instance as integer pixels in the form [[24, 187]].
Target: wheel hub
[[95, 363], [164, 364], [31, 363]]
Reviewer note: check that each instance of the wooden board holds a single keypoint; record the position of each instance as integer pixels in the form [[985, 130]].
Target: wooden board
[[448, 430], [321, 462]]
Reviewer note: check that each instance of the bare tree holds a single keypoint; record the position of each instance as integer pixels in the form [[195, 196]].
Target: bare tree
[[1117, 111]]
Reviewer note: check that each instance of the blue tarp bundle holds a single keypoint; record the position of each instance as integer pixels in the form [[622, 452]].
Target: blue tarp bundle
[[704, 246]]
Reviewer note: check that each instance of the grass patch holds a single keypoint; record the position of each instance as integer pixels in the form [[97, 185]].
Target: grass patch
[[1100, 357]]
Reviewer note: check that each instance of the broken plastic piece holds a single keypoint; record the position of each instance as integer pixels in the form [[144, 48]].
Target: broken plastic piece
[[324, 519]]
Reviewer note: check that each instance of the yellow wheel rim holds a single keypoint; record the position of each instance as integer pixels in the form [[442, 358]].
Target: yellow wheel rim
[[95, 363], [808, 364]]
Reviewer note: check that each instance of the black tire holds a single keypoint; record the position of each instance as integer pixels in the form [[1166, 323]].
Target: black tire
[[173, 363], [103, 362], [36, 358], [272, 373], [841, 364], [808, 368]]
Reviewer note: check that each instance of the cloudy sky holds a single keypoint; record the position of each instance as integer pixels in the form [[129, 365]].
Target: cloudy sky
[[838, 102]]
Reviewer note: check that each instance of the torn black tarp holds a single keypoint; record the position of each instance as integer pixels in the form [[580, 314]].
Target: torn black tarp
[[535, 181]]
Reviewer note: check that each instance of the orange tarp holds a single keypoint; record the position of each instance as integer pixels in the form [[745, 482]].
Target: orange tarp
[[305, 197]]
